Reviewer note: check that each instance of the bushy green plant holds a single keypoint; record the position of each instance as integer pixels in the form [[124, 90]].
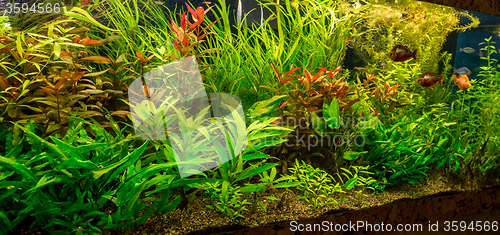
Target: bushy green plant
[[64, 182], [315, 185], [403, 151], [233, 176], [475, 111], [227, 199], [359, 176]]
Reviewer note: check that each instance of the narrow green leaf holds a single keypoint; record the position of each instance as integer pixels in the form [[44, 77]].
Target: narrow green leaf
[[19, 47], [84, 16], [255, 171]]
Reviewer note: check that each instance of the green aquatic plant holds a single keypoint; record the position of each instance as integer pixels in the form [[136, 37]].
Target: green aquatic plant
[[241, 64], [62, 182], [403, 151], [359, 176], [131, 19], [230, 181], [489, 71], [226, 198], [315, 185], [151, 28], [476, 113], [231, 199]]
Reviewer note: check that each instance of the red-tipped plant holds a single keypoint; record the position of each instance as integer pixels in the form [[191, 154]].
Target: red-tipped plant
[[382, 95], [187, 38]]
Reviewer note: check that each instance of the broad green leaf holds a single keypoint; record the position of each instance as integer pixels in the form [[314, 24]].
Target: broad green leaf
[[252, 156], [319, 126], [351, 183], [19, 47], [49, 180], [351, 155], [18, 168], [331, 113]]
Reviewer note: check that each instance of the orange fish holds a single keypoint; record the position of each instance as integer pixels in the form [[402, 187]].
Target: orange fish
[[401, 53], [86, 41], [429, 79], [462, 81]]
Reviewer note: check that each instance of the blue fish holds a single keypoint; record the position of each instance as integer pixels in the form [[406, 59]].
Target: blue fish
[[462, 71]]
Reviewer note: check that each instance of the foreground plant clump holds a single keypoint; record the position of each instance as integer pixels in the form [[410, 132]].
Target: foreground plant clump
[[311, 126]]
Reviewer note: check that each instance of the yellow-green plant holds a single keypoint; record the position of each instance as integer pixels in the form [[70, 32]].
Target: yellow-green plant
[[419, 25]]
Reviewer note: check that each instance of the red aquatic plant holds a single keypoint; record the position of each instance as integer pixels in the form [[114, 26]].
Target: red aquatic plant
[[187, 38]]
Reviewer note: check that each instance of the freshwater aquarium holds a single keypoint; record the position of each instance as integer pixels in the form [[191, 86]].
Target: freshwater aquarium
[[272, 116]]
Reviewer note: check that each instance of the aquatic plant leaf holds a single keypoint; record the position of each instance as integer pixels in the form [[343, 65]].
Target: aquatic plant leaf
[[19, 47], [285, 185], [18, 168], [84, 16], [319, 126], [57, 49], [120, 164], [246, 174], [331, 113], [351, 155], [286, 80], [269, 88], [252, 156], [351, 183], [263, 110], [97, 58]]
